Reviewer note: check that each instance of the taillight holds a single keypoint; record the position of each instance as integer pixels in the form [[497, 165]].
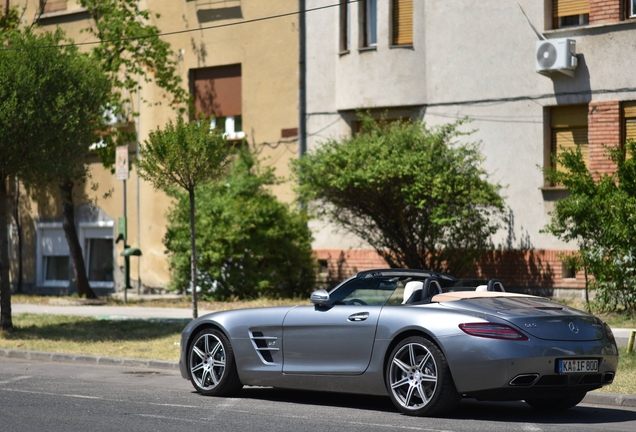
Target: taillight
[[608, 333], [493, 331]]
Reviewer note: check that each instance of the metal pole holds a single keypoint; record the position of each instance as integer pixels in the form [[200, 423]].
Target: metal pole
[[138, 181], [125, 245]]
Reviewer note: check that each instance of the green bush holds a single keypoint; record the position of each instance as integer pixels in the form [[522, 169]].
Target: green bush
[[248, 243]]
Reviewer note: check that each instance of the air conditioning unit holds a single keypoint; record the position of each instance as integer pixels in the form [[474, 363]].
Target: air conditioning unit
[[556, 55]]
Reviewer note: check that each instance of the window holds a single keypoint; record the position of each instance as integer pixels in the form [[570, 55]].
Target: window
[[53, 5], [570, 13], [217, 94], [99, 256], [569, 130], [368, 23], [631, 9], [402, 22], [629, 114], [345, 21], [54, 256]]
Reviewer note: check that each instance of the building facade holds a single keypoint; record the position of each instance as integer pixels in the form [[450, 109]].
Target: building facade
[[239, 68], [441, 61]]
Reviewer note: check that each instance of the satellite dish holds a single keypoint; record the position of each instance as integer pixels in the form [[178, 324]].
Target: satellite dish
[[546, 55]]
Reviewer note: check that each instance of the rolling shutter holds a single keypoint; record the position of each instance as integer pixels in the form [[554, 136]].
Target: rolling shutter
[[402, 22], [217, 90], [563, 8], [54, 6], [629, 114], [569, 131]]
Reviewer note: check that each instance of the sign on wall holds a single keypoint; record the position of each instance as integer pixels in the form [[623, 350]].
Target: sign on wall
[[121, 163]]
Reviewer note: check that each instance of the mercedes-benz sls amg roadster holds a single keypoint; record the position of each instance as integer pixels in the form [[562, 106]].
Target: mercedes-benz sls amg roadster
[[417, 336]]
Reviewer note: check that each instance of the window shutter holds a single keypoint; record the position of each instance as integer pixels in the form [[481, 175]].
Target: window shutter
[[54, 6], [629, 114], [402, 22], [217, 90], [563, 8], [569, 131]]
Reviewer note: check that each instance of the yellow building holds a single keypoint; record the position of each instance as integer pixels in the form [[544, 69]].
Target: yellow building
[[241, 68]]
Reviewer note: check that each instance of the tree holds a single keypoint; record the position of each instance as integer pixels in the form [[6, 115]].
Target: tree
[[130, 50], [251, 244], [51, 109], [599, 214], [418, 197], [184, 156]]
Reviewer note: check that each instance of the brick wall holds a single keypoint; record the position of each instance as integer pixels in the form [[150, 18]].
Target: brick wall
[[605, 11], [604, 127], [521, 269]]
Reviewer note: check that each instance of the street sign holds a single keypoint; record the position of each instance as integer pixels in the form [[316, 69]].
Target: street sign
[[121, 163]]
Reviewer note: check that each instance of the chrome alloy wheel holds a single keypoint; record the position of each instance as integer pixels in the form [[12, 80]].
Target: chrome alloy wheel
[[413, 376], [207, 361]]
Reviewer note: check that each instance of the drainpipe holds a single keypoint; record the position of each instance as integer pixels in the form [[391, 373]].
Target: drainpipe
[[302, 83]]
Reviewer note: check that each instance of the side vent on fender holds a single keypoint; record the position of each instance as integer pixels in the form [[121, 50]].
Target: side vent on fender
[[264, 345]]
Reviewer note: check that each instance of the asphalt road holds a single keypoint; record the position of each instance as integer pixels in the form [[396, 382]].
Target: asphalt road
[[56, 397]]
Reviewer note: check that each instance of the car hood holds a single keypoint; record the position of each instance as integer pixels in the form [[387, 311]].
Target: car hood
[[538, 317]]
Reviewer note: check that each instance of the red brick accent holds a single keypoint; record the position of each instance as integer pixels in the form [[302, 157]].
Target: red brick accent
[[605, 11], [604, 127], [529, 268], [532, 269], [344, 263]]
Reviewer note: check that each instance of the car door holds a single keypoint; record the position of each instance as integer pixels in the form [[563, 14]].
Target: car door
[[338, 339]]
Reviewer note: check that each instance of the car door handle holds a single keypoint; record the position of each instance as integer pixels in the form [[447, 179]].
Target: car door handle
[[358, 316]]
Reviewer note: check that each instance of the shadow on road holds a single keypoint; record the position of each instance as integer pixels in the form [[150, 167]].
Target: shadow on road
[[469, 409]]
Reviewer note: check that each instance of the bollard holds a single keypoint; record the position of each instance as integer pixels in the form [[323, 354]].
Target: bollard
[[630, 343]]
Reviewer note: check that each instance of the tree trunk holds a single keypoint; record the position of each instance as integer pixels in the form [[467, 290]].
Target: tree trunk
[[193, 257], [5, 287], [16, 217], [79, 268]]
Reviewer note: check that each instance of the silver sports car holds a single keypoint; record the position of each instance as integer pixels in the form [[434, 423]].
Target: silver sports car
[[414, 335]]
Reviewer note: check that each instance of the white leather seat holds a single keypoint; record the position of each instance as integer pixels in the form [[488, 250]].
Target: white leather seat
[[410, 288], [482, 288]]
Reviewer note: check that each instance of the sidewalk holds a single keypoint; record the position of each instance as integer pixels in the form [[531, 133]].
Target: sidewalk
[[110, 312]]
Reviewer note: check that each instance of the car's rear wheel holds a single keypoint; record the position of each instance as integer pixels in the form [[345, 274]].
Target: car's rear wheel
[[557, 404], [418, 379], [211, 364]]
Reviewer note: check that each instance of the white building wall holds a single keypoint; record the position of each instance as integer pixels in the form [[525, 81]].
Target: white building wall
[[466, 51]]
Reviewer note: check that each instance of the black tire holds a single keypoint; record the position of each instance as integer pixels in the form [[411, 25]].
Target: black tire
[[211, 364], [418, 379], [557, 404]]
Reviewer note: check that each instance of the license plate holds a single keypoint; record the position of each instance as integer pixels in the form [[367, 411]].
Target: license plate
[[578, 366]]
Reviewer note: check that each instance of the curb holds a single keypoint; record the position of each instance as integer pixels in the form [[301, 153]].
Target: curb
[[612, 399], [89, 359]]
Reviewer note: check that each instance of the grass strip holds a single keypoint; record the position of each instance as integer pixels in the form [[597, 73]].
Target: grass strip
[[84, 335]]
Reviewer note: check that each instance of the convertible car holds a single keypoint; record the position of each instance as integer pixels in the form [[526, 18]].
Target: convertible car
[[417, 336]]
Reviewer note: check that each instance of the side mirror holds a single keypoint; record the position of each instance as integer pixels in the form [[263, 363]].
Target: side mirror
[[320, 298]]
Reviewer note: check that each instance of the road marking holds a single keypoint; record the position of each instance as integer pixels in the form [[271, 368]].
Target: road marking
[[18, 378], [531, 427], [98, 398]]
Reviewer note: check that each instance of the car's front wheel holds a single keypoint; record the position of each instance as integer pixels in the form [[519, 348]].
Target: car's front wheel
[[211, 364], [557, 404], [418, 378]]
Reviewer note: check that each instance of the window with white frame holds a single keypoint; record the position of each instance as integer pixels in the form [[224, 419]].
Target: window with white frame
[[632, 9], [570, 13], [218, 96], [53, 262], [99, 250], [368, 23]]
